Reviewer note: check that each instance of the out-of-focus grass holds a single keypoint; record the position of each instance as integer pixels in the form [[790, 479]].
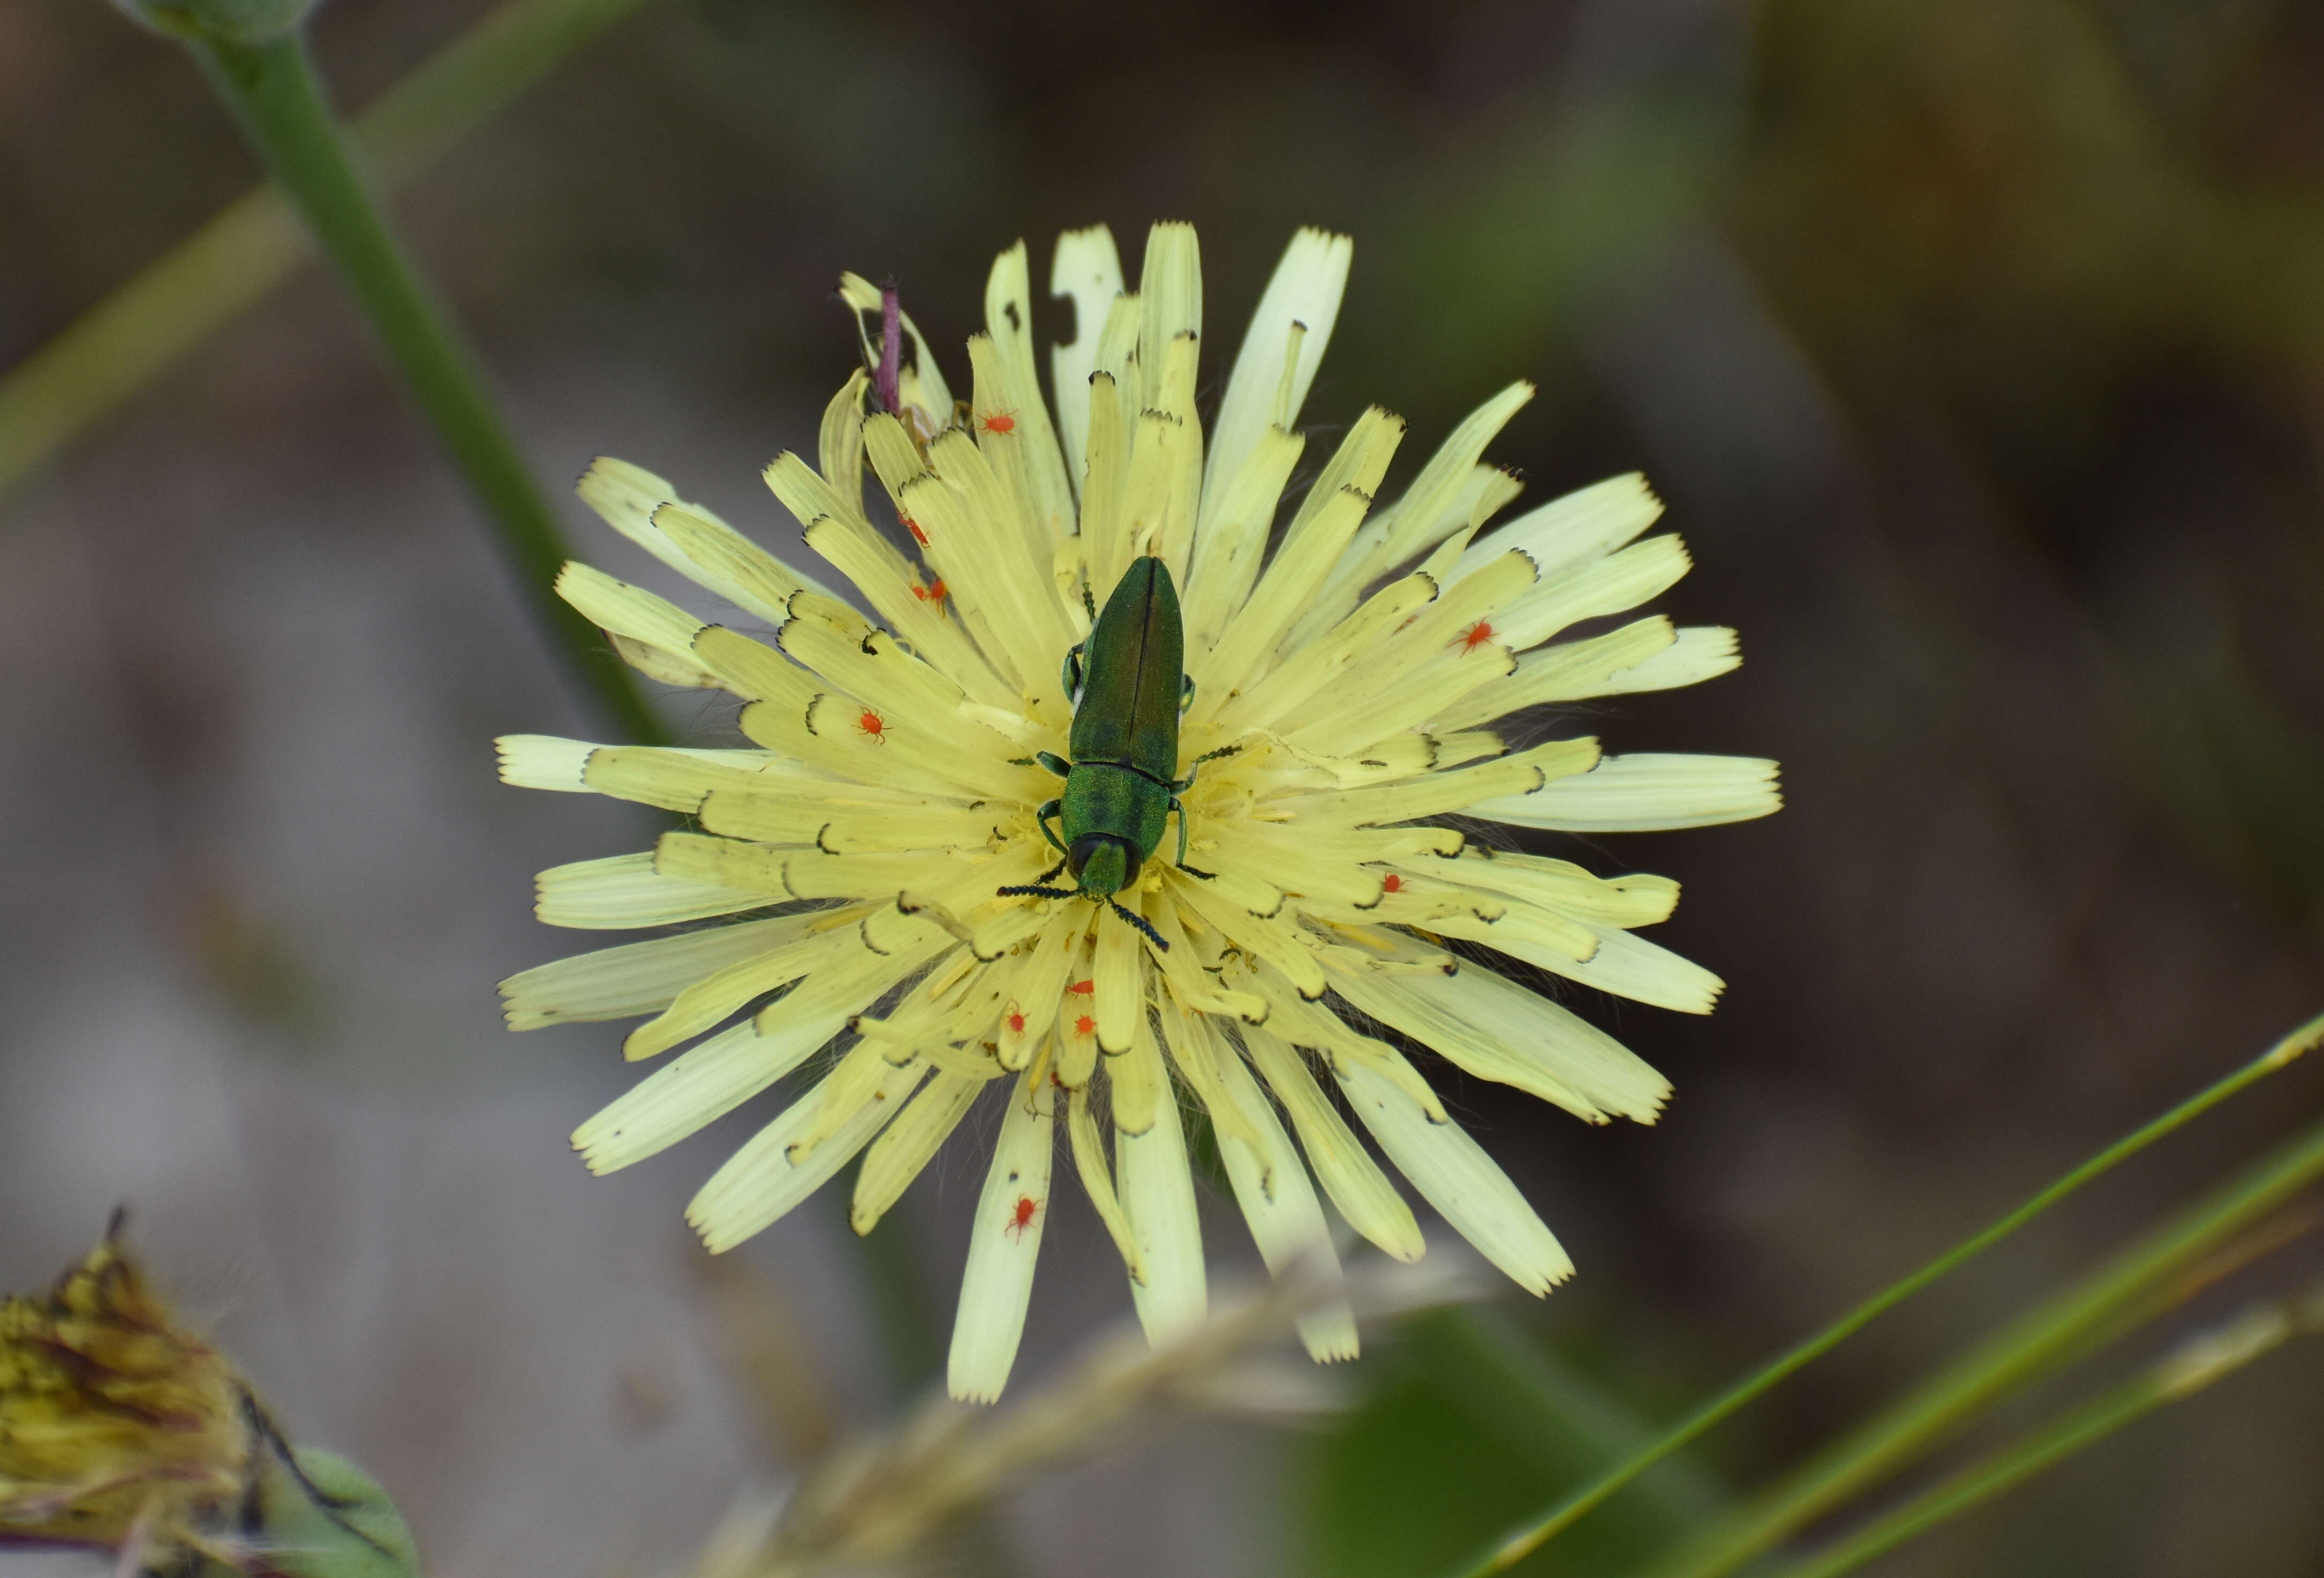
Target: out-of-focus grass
[[1474, 1420]]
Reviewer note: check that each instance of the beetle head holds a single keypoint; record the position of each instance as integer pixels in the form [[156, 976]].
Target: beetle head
[[1102, 864]]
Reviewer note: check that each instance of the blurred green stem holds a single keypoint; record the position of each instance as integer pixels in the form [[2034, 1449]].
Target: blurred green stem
[[1528, 1537], [272, 89], [2053, 1334], [2193, 1367], [273, 92], [148, 325]]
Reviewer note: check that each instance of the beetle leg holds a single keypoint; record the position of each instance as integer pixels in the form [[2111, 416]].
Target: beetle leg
[[1185, 692], [1046, 877], [1054, 762], [1070, 676], [1138, 922], [1050, 808]]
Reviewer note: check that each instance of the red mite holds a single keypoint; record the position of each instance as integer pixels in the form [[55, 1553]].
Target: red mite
[[1476, 636], [1085, 1025], [1084, 987], [999, 422], [1016, 1023], [1022, 1217], [873, 724], [919, 536], [935, 594], [1392, 884]]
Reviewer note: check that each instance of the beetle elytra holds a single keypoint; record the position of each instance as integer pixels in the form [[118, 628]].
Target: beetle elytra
[[1129, 683]]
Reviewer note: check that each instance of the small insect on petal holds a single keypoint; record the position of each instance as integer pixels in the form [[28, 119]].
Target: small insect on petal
[[1016, 1023], [1084, 1026], [935, 594], [913, 527], [1001, 421], [1087, 988], [1021, 1218], [875, 725], [1476, 636], [1392, 884]]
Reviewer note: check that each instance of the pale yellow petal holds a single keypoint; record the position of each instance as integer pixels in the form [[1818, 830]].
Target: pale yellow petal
[[1349, 1176], [1278, 1201], [1498, 1031], [621, 609], [623, 891], [637, 978], [1003, 1243], [1593, 588], [1088, 269], [758, 1185], [1453, 1173], [1274, 369], [1158, 1197], [1635, 900], [1328, 517], [1582, 525], [1630, 967], [1097, 1179], [1008, 319], [542, 761], [907, 1145], [1648, 793]]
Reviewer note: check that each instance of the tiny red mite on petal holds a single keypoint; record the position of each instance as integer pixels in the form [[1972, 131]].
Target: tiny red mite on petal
[[1083, 987], [1002, 422], [919, 536], [1017, 1024], [1476, 636], [1392, 884], [1022, 1216], [1085, 1025], [873, 724]]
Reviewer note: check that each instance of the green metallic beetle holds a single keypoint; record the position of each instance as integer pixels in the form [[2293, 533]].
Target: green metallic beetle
[[1128, 685]]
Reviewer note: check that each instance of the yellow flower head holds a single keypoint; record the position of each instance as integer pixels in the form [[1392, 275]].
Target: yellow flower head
[[116, 1426], [1357, 673]]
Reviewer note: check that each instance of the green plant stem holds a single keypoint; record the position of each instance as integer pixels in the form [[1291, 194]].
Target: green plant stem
[[1528, 1537], [2191, 1369], [147, 326], [273, 92], [272, 89], [2054, 1334]]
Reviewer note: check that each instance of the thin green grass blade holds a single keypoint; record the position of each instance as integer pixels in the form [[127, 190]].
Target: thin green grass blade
[[2192, 1367], [1527, 1537], [2055, 1333], [273, 92], [231, 264]]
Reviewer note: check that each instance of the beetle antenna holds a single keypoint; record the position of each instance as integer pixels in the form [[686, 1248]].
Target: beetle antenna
[[1037, 890], [1140, 923]]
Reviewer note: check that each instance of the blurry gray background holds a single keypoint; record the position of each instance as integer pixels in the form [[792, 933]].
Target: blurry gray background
[[1974, 345]]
